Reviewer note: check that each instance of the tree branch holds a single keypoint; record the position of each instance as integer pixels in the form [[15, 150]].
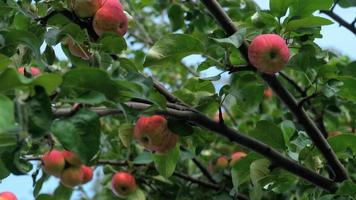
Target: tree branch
[[314, 133], [350, 26], [234, 136]]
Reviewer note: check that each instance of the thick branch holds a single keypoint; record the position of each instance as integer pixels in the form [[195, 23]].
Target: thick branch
[[314, 133], [234, 136], [350, 26]]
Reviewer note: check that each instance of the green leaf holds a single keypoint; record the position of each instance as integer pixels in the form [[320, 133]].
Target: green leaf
[[259, 170], [166, 163], [348, 88], [15, 164], [137, 195], [347, 3], [4, 172], [240, 172], [171, 49], [263, 19], [347, 188], [288, 129], [343, 142], [112, 43], [126, 134], [7, 118], [39, 111], [7, 142], [307, 7], [176, 16], [269, 133], [144, 158], [79, 133], [180, 127], [4, 61], [279, 7], [307, 22], [236, 39]]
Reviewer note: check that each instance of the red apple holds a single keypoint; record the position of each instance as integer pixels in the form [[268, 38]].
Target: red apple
[[123, 184], [88, 174], [269, 53], [34, 71], [268, 92], [84, 8], [235, 157], [72, 176], [7, 196], [53, 162], [76, 50], [110, 18], [71, 158], [153, 133], [222, 162]]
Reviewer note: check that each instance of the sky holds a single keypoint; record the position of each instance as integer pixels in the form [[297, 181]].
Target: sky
[[334, 37]]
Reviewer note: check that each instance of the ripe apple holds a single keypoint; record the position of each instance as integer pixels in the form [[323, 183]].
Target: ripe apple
[[88, 174], [76, 50], [84, 8], [71, 158], [123, 184], [110, 18], [72, 176], [269, 53], [222, 162], [34, 71], [7, 196], [152, 132], [235, 157], [53, 162], [268, 92]]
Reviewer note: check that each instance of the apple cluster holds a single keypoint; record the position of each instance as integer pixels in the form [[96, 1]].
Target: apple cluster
[[222, 162], [33, 70], [7, 196], [67, 166], [153, 133], [108, 16]]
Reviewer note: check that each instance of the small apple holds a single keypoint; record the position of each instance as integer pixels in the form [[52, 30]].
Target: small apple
[[222, 162], [110, 18], [53, 162], [7, 196], [334, 133], [84, 8], [123, 184], [268, 92], [34, 71], [269, 53], [71, 158], [152, 132], [88, 174], [80, 51], [235, 157], [72, 176]]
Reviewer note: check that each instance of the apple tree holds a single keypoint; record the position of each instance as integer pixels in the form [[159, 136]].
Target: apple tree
[[176, 99]]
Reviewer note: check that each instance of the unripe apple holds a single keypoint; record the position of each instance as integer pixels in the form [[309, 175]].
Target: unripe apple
[[110, 18], [123, 184], [235, 157], [72, 176], [85, 8], [76, 50], [71, 158], [268, 92], [88, 174], [34, 71], [269, 53], [153, 133], [222, 162], [53, 162], [7, 196]]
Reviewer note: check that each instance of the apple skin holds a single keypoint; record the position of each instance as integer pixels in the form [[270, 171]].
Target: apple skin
[[88, 174], [7, 196], [110, 18], [235, 157], [71, 158], [123, 184], [53, 162], [222, 162], [72, 176], [268, 92], [152, 132], [34, 71], [84, 8], [76, 50], [269, 53]]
